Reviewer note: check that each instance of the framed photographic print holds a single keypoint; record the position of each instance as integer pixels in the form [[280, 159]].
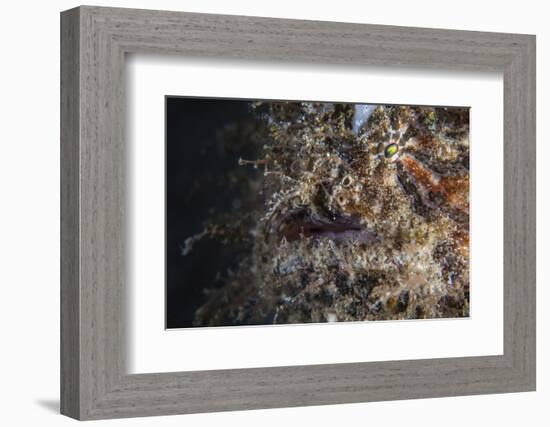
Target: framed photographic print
[[262, 213]]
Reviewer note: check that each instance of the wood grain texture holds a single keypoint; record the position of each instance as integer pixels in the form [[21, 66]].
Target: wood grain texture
[[70, 258], [94, 380]]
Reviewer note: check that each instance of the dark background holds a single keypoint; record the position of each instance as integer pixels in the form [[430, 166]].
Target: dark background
[[199, 154]]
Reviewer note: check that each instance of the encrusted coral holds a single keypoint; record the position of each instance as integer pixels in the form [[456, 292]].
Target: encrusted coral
[[363, 215]]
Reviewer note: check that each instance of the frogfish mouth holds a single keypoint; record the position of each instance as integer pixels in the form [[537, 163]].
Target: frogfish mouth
[[305, 224]]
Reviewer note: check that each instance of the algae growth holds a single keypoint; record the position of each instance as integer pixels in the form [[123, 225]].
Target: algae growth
[[339, 212]]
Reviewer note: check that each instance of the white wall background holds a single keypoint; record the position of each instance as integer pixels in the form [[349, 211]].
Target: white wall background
[[29, 212]]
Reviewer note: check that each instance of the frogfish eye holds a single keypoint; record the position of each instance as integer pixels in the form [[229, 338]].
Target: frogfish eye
[[390, 150]]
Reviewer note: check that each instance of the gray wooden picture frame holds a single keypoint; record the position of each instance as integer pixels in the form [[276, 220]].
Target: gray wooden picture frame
[[94, 382]]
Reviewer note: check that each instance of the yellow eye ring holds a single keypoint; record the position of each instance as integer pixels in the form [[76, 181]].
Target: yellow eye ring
[[390, 150]]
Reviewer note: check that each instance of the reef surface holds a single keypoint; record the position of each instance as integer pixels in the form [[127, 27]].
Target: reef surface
[[359, 212]]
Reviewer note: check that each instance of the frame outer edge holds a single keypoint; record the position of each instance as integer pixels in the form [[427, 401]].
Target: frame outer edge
[[527, 82], [70, 388], [532, 136], [520, 215]]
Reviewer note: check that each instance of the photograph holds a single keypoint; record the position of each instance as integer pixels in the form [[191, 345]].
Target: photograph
[[297, 212]]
